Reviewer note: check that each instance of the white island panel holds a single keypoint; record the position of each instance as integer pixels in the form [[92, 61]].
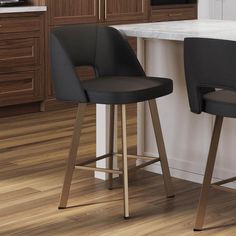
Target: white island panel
[[187, 135]]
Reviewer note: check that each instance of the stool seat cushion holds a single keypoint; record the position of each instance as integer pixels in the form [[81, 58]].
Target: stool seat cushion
[[221, 103], [124, 90]]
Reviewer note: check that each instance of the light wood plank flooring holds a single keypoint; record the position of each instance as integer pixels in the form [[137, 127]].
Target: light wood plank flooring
[[33, 149]]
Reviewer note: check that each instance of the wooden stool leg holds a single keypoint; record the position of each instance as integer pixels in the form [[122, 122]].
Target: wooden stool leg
[[72, 156], [161, 148], [208, 174], [125, 162], [111, 143]]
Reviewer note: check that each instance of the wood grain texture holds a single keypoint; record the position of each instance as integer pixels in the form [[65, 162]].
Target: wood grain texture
[[189, 12], [20, 87], [22, 72], [19, 52], [123, 10], [19, 23], [73, 11], [33, 157]]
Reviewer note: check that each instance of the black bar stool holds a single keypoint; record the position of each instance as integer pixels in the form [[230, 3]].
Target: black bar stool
[[210, 66], [119, 80]]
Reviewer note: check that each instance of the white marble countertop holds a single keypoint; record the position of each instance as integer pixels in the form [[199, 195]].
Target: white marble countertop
[[22, 9], [178, 30]]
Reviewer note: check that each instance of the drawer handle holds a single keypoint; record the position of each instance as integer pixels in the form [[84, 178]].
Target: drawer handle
[[175, 14]]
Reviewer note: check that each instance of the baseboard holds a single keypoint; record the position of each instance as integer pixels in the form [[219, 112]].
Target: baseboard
[[185, 170], [100, 175], [190, 171]]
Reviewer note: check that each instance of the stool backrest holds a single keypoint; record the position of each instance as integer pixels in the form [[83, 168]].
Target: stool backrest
[[104, 48], [209, 64]]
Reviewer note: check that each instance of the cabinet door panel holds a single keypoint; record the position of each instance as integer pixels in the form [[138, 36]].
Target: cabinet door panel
[[73, 11], [21, 87], [123, 10], [18, 53], [19, 24], [187, 13]]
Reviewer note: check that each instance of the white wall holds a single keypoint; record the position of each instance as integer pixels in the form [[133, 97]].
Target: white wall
[[204, 9], [222, 9]]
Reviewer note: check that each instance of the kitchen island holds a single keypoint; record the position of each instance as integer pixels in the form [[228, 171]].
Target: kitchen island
[[187, 136]]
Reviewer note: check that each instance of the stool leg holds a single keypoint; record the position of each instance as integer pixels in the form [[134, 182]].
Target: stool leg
[[111, 143], [125, 162], [208, 174], [161, 148], [72, 156]]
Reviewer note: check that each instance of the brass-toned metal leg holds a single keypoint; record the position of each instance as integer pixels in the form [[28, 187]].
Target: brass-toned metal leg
[[161, 148], [72, 156], [125, 162], [208, 174], [111, 143]]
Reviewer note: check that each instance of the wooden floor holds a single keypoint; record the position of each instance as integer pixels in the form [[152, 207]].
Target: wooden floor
[[33, 149]]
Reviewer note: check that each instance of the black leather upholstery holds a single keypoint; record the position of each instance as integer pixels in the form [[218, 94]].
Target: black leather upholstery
[[124, 90], [120, 78], [210, 64], [221, 103]]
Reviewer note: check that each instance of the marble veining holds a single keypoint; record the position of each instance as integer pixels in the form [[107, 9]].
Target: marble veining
[[22, 9], [179, 30]]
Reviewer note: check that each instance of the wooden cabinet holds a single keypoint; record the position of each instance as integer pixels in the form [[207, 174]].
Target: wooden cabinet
[[94, 11], [22, 77], [19, 23], [168, 13], [21, 87], [123, 10], [18, 53], [73, 11]]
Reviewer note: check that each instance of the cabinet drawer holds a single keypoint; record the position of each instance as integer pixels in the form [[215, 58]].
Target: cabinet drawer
[[18, 53], [173, 14], [123, 10], [21, 87], [73, 12], [19, 24]]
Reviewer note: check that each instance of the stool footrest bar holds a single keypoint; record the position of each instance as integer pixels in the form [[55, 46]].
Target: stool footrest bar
[[145, 164], [226, 181], [94, 160], [137, 157], [218, 185], [99, 169], [223, 188], [82, 165]]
